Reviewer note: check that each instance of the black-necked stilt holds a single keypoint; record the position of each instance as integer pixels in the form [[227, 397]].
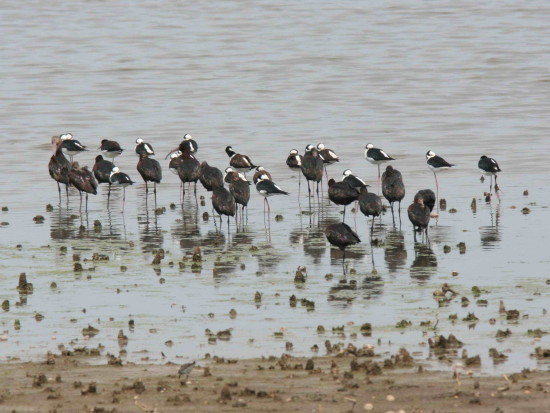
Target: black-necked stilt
[[436, 163], [83, 180], [241, 163], [370, 205], [352, 180], [294, 161], [189, 170], [175, 161], [427, 196], [71, 146], [59, 167], [230, 173], [260, 171], [489, 167], [120, 179], [419, 215], [102, 170], [341, 193], [267, 188], [328, 156], [110, 149], [210, 176], [223, 202], [393, 188], [150, 171], [240, 189], [376, 156], [187, 142], [143, 147], [341, 236], [312, 167]]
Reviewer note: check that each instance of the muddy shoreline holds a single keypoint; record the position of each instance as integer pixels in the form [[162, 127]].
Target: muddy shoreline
[[341, 383]]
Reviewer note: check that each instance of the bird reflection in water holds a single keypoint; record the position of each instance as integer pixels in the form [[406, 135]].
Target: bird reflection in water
[[395, 253], [490, 235], [424, 264], [149, 234], [314, 244]]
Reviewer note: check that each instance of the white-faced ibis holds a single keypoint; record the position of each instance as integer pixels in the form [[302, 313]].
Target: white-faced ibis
[[150, 171], [102, 170], [376, 156], [71, 146], [230, 173], [83, 180], [143, 147], [189, 170], [341, 235], [240, 189], [239, 162], [341, 193], [393, 188], [120, 179], [370, 205], [59, 167], [260, 170], [210, 176], [223, 202], [110, 149], [419, 215], [489, 167], [437, 164], [312, 167], [428, 198], [267, 188], [175, 160]]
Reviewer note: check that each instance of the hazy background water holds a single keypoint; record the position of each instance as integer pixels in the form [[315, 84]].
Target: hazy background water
[[462, 79]]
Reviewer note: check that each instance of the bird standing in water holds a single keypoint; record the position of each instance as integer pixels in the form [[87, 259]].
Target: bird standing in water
[[489, 167], [341, 236], [120, 179], [436, 163], [83, 180], [312, 168], [59, 167], [102, 171], [393, 188], [419, 215], [370, 205], [294, 161], [150, 171], [376, 156], [341, 193]]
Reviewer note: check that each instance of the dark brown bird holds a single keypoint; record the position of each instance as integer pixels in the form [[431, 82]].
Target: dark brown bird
[[189, 168], [59, 167], [83, 180], [241, 163], [230, 173], [260, 171], [102, 171], [393, 188], [427, 196], [150, 171], [240, 189], [370, 205], [419, 215], [110, 149], [312, 167], [223, 202], [341, 236], [210, 176], [341, 193]]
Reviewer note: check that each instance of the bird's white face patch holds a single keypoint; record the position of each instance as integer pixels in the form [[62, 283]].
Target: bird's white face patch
[[293, 152], [430, 154], [369, 146], [187, 137], [175, 154], [320, 147]]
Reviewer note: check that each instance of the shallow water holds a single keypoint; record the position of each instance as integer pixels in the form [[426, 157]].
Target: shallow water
[[462, 80]]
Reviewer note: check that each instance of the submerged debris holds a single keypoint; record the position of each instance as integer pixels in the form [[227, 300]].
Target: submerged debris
[[24, 287]]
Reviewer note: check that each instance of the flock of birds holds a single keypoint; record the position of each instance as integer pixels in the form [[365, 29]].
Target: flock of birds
[[312, 165]]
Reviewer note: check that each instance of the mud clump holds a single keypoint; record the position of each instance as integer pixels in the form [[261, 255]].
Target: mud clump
[[90, 331], [6, 305], [197, 255], [542, 353], [137, 386], [39, 219], [445, 343], [366, 329], [24, 287]]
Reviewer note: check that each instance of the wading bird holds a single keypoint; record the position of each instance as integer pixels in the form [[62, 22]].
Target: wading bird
[[110, 149], [150, 171], [312, 167], [419, 215], [370, 205], [376, 156], [341, 193], [102, 170], [437, 164], [83, 180], [393, 188], [59, 167], [239, 162], [120, 179], [341, 236], [143, 147], [71, 146], [489, 167]]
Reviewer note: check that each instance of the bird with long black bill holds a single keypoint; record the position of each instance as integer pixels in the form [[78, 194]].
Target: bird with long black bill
[[189, 168], [260, 170], [83, 180], [419, 215], [328, 155], [294, 162], [230, 173], [210, 176], [489, 167], [150, 171], [428, 198], [312, 167], [267, 188], [240, 189], [71, 146], [393, 188], [143, 147], [102, 171], [120, 179], [110, 149], [239, 162], [342, 236], [189, 142], [59, 167], [341, 193], [376, 156], [437, 164], [370, 205], [223, 202]]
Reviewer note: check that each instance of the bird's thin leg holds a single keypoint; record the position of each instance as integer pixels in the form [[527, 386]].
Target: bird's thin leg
[[344, 217], [344, 262], [378, 179], [80, 192], [436, 192], [195, 189], [123, 197], [86, 203], [67, 192], [326, 173], [268, 210], [146, 188], [372, 227], [491, 185], [399, 214], [228, 226], [414, 232], [155, 188], [59, 190], [108, 195], [392, 216]]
